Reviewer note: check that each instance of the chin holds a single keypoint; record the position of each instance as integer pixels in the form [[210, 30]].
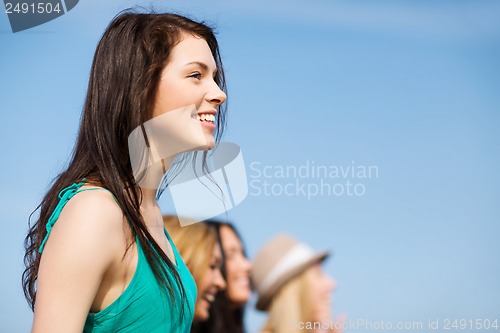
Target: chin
[[201, 316], [210, 144], [240, 300]]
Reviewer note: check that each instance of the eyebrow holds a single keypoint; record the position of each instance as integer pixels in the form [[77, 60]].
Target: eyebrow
[[202, 65]]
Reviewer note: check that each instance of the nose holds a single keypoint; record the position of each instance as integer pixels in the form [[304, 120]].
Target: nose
[[216, 95], [219, 281]]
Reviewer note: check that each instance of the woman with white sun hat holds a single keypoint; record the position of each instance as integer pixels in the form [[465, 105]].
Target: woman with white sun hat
[[292, 288]]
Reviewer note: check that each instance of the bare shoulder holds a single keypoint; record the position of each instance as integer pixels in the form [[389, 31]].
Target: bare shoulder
[[91, 218], [87, 238], [97, 207]]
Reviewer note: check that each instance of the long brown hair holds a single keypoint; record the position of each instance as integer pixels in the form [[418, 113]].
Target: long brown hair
[[121, 93]]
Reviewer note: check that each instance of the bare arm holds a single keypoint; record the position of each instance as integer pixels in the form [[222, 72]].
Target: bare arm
[[83, 244]]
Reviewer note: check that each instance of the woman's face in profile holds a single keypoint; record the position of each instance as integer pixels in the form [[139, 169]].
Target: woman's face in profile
[[188, 97], [212, 282], [237, 267], [322, 288]]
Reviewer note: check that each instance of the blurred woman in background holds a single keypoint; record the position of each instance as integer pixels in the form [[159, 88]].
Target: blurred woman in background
[[199, 247], [292, 288], [227, 312]]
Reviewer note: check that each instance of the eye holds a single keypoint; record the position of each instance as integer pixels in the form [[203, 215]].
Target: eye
[[195, 75]]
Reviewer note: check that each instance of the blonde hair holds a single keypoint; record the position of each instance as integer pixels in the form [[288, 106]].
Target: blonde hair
[[290, 305], [195, 243]]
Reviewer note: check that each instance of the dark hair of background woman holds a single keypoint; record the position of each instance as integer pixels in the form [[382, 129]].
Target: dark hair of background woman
[[225, 317], [122, 88]]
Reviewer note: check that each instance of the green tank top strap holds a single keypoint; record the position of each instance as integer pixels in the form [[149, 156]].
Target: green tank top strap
[[100, 188], [64, 196]]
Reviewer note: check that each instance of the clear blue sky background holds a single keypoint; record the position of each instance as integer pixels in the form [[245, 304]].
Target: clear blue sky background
[[412, 87]]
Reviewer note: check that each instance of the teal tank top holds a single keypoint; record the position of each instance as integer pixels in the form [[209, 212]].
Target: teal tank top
[[144, 306]]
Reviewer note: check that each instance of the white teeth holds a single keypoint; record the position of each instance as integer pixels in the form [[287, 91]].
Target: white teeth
[[210, 298], [206, 117]]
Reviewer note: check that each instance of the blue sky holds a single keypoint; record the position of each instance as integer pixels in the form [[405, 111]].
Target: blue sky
[[411, 87]]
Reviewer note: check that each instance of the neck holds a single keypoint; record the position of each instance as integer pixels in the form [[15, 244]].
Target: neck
[[148, 198], [150, 211], [149, 186]]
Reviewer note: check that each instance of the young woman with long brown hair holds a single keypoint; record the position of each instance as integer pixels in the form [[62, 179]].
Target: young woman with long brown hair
[[108, 264]]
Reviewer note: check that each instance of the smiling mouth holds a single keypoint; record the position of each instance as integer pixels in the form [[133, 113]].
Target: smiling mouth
[[206, 118], [208, 297]]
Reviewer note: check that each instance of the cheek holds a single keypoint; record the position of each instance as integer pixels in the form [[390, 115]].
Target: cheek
[[230, 270], [316, 294], [234, 293], [175, 96], [231, 287], [324, 288], [317, 289], [205, 283]]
